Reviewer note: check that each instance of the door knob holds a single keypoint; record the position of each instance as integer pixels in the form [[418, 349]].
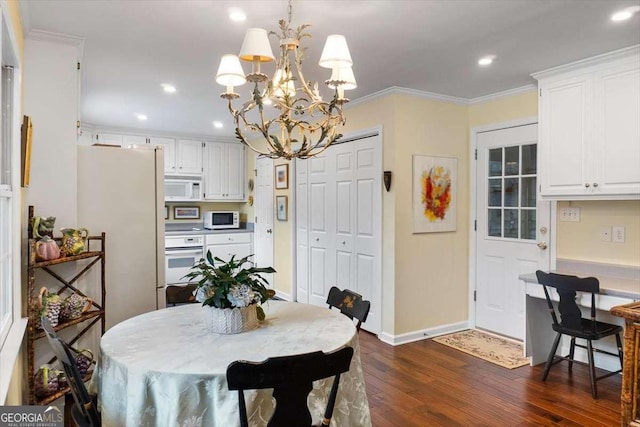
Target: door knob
[[317, 239], [542, 245], [269, 230]]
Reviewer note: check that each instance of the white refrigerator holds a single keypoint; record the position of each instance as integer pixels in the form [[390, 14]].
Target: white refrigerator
[[121, 192]]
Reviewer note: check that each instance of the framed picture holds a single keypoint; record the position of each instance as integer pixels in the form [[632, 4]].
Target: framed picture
[[281, 208], [25, 149], [282, 177], [186, 212], [166, 212], [435, 186]]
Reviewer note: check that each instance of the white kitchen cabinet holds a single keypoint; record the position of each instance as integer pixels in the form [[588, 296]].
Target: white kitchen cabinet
[[169, 147], [189, 157], [589, 130], [224, 171], [225, 245], [109, 138], [135, 140]]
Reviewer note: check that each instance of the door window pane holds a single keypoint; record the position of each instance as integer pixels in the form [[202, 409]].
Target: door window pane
[[528, 192], [512, 160], [511, 192], [528, 224], [495, 162], [511, 223], [495, 192], [529, 156], [495, 223]]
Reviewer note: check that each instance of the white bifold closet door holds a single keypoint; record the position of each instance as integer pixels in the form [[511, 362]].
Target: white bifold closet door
[[339, 223]]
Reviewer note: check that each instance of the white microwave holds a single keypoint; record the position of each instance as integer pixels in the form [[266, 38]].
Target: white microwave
[[219, 220], [182, 190]]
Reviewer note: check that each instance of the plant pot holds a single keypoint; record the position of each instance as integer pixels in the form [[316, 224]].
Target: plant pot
[[232, 320]]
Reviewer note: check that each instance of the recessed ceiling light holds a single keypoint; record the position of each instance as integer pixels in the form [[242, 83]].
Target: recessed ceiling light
[[218, 125], [142, 117], [487, 60], [168, 88], [237, 15], [624, 14]]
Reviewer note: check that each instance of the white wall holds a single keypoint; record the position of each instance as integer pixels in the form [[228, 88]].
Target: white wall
[[50, 98]]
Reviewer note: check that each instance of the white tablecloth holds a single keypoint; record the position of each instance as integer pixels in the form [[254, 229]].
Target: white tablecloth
[[165, 368]]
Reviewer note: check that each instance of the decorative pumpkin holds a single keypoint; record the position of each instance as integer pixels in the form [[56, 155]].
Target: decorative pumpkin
[[47, 249]]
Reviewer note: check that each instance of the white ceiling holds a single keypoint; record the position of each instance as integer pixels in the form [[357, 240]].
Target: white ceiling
[[132, 46]]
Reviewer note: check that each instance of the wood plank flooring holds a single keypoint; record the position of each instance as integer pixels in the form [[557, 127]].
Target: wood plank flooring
[[428, 384]]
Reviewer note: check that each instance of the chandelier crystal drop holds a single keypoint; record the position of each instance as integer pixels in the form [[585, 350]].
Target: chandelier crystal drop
[[285, 111]]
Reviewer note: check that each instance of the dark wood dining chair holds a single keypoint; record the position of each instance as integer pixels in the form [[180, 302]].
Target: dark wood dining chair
[[180, 294], [84, 411], [574, 325], [291, 378], [350, 304]]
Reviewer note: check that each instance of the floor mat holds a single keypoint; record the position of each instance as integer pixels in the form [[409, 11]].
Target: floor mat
[[492, 348]]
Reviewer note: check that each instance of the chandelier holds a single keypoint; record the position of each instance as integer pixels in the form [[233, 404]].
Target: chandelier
[[285, 110]]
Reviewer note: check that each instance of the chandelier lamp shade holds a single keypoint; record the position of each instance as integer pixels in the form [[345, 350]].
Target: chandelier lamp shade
[[285, 115]]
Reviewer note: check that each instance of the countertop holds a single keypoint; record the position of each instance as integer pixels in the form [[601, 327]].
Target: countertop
[[619, 281], [197, 228]]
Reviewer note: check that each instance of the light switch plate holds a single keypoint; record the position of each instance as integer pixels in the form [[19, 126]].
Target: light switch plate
[[570, 214]]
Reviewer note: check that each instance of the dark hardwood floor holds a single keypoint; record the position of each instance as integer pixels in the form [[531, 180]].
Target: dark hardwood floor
[[428, 384]]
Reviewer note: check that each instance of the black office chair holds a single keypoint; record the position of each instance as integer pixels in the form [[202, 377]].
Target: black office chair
[[83, 412], [291, 378], [573, 324], [350, 304]]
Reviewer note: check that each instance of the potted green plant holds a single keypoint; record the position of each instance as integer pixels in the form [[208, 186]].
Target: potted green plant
[[232, 291]]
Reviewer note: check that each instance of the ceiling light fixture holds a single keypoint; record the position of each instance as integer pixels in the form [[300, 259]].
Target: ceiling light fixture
[[307, 124], [142, 117], [624, 14], [168, 88], [218, 125], [487, 60], [237, 15]]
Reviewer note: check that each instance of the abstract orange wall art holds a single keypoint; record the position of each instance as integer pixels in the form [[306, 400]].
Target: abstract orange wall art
[[434, 194]]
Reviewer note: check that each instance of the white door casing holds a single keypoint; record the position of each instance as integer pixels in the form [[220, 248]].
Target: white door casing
[[339, 224], [507, 234], [263, 221]]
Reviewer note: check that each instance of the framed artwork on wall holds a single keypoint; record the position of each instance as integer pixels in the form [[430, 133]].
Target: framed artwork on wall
[[281, 208], [282, 176], [435, 186], [186, 212], [25, 149]]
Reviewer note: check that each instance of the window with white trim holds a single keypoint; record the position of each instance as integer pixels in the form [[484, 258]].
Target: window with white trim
[[7, 200]]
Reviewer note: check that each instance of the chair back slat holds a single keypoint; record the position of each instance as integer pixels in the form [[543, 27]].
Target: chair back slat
[[292, 378], [350, 304]]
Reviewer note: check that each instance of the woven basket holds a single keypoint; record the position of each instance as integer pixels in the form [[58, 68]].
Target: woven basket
[[232, 320]]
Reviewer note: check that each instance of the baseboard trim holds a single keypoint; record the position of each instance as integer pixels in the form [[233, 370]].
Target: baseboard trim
[[422, 334], [283, 296]]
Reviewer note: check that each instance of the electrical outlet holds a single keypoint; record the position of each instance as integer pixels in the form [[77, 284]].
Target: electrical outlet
[[570, 214], [605, 234], [618, 234]]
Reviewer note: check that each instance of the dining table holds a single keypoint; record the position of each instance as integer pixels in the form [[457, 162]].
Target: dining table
[[167, 368]]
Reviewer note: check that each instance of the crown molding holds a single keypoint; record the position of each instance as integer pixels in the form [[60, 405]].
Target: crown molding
[[589, 62], [48, 36], [91, 127], [397, 90], [503, 94], [25, 16]]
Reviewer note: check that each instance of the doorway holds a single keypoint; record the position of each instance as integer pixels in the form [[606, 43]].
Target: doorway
[[263, 218], [512, 227]]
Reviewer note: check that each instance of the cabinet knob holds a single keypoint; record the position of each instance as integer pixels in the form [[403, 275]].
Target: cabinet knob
[[344, 243], [586, 184], [180, 167], [595, 184], [317, 239], [269, 231]]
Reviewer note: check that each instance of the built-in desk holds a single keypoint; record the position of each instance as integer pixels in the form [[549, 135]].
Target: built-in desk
[[618, 286]]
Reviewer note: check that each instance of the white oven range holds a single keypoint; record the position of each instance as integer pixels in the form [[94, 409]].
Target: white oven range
[[181, 253]]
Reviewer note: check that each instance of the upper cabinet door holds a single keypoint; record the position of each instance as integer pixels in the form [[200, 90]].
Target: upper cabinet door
[[617, 131], [215, 171], [109, 139], [169, 147], [235, 172], [189, 157], [134, 140], [565, 112]]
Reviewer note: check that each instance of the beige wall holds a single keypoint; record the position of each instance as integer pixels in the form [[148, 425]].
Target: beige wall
[[504, 109], [581, 240]]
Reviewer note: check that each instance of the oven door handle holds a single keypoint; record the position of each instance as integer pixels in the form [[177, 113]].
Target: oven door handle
[[182, 252]]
